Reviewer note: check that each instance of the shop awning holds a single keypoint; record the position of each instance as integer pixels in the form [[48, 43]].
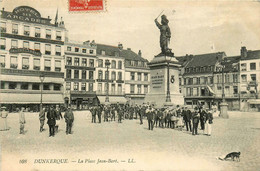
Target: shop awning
[[23, 98], [210, 90], [112, 99], [254, 101]]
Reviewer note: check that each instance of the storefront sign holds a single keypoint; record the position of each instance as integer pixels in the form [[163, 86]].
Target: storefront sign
[[25, 50], [25, 13]]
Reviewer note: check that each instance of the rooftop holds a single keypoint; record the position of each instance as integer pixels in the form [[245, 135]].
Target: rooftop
[[125, 53]]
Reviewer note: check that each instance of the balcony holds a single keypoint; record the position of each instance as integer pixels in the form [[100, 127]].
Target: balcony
[[2, 47], [14, 66], [36, 68], [3, 30], [37, 34], [25, 67], [26, 33], [14, 31], [58, 37], [47, 52], [115, 93], [2, 65], [48, 36]]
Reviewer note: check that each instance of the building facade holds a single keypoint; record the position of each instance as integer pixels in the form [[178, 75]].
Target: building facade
[[250, 78], [197, 78], [80, 74], [110, 74], [31, 46], [137, 77]]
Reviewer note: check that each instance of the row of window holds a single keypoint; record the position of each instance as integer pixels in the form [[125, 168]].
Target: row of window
[[113, 75], [199, 69], [83, 74], [203, 91], [113, 64], [139, 89], [83, 50], [139, 76], [135, 63], [26, 63], [252, 66], [26, 31], [77, 62], [112, 90], [244, 77], [76, 86], [29, 86], [198, 80], [26, 45]]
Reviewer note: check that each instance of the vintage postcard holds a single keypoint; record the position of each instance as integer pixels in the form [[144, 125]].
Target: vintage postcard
[[129, 85]]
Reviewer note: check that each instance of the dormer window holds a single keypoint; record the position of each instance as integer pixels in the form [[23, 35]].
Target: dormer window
[[103, 52]]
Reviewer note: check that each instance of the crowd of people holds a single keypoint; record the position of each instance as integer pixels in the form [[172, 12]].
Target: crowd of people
[[166, 117]]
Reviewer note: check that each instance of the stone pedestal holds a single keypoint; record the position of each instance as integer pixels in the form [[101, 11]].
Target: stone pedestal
[[158, 82], [223, 110]]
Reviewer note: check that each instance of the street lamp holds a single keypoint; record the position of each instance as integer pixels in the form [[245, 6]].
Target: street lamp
[[42, 77], [223, 104], [168, 93], [107, 63]]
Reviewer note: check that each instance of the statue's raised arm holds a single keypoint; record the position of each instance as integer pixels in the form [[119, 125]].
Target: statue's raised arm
[[164, 36]]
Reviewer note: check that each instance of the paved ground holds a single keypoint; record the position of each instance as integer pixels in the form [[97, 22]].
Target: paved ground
[[131, 146]]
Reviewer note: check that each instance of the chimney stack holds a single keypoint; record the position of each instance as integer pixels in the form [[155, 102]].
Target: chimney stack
[[140, 53], [120, 46], [243, 52]]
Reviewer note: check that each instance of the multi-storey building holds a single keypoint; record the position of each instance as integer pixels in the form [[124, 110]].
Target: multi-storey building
[[137, 77], [31, 46], [250, 79], [110, 68], [197, 78], [230, 70], [80, 74]]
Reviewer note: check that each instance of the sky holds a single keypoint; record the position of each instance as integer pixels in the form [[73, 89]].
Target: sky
[[197, 27]]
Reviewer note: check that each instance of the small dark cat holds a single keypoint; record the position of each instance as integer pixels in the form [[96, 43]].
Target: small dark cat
[[233, 156]]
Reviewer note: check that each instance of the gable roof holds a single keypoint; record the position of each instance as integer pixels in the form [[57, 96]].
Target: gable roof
[[252, 55], [208, 59], [111, 50]]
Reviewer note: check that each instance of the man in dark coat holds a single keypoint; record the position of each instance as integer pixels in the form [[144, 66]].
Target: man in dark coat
[[93, 114], [51, 116], [187, 118], [119, 114], [69, 118], [58, 117], [150, 117], [99, 111], [141, 113], [195, 121], [203, 114]]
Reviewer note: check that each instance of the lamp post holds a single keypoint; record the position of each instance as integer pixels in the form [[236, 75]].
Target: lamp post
[[107, 63], [168, 93], [42, 77], [223, 104]]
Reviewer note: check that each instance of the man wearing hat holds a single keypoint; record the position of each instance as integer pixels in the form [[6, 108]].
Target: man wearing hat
[[58, 117], [51, 115], [42, 118], [69, 118], [195, 121], [3, 119], [187, 118]]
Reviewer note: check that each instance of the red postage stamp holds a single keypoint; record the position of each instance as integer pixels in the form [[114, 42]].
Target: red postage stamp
[[86, 5]]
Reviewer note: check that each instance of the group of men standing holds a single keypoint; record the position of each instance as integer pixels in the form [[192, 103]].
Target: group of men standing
[[54, 116]]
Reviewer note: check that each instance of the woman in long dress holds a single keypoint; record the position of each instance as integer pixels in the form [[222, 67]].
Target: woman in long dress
[[209, 122], [3, 119]]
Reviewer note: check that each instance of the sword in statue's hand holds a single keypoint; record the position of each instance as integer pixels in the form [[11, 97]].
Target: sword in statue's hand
[[159, 15]]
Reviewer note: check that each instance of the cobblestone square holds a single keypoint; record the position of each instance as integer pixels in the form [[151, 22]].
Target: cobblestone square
[[130, 146]]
